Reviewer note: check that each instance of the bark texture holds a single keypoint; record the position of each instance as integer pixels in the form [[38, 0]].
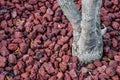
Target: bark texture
[[87, 43]]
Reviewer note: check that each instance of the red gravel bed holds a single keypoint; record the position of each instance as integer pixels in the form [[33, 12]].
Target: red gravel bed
[[36, 40]]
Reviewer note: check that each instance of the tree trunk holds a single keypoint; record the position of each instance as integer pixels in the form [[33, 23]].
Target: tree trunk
[[87, 43]]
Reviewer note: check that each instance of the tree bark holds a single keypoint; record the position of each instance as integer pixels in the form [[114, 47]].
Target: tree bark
[[87, 43]]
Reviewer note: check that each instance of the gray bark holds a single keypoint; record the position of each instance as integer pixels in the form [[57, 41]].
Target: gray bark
[[88, 45]]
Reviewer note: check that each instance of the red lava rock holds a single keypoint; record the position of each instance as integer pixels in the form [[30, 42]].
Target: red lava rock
[[114, 42], [67, 77], [59, 75], [23, 47], [116, 2], [110, 71], [53, 78], [73, 73], [32, 1], [63, 66], [2, 61], [117, 58], [4, 51], [65, 58], [3, 24], [115, 77], [72, 66], [115, 25], [113, 63], [12, 46], [49, 68], [49, 11], [108, 3], [57, 47], [12, 58], [118, 70], [65, 47], [74, 59], [2, 77], [24, 75], [102, 69], [97, 63], [84, 70], [43, 9], [28, 6], [47, 43], [103, 76], [91, 66], [18, 34]]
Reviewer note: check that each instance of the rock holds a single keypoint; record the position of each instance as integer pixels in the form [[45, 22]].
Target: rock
[[2, 61], [67, 77], [65, 47], [4, 51], [103, 76], [29, 7], [57, 47], [102, 69], [65, 58], [59, 75], [72, 66], [116, 77], [74, 59], [91, 66], [73, 73], [12, 59], [23, 47], [117, 58], [97, 63], [49, 11], [110, 71], [33, 2], [49, 67], [115, 25], [118, 70], [53, 78], [84, 70], [47, 43], [113, 63], [12, 46], [14, 13], [114, 42], [63, 66], [40, 28], [43, 9], [2, 77], [18, 34], [24, 75]]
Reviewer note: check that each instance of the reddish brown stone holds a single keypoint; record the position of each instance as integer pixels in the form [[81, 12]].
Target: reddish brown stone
[[73, 73], [3, 24], [43, 9], [47, 43], [63, 66], [114, 42], [67, 76], [97, 63], [59, 75], [12, 58], [24, 75], [4, 51], [118, 70], [23, 47], [65, 47], [91, 66], [57, 47], [103, 76], [18, 34], [115, 25], [110, 71], [74, 59], [117, 58], [84, 70], [65, 58], [2, 61], [102, 69], [2, 77], [113, 63], [72, 66], [116, 77], [12, 46], [49, 11], [48, 67]]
